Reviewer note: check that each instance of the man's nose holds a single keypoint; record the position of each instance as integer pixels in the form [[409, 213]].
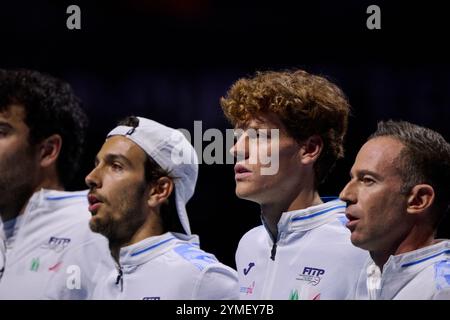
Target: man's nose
[[240, 148], [92, 179]]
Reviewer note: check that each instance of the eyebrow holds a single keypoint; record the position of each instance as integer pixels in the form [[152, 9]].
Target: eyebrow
[[368, 172], [111, 157], [252, 124], [259, 126]]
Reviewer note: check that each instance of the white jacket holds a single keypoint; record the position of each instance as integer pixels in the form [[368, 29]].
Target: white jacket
[[313, 257], [169, 266], [422, 274], [54, 254]]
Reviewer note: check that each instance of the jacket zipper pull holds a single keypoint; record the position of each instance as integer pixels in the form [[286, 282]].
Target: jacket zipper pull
[[273, 252], [2, 257], [120, 279]]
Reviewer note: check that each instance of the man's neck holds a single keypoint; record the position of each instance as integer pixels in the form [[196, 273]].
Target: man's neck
[[15, 207], [272, 212], [419, 237], [19, 199], [50, 184], [152, 227]]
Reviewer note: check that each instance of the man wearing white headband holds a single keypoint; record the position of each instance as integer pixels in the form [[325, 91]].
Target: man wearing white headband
[[144, 175]]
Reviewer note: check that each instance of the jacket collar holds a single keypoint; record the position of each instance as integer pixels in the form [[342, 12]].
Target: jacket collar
[[52, 199], [47, 200], [418, 259], [149, 248], [311, 217]]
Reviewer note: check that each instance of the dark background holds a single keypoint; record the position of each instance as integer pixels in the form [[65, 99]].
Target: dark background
[[172, 60]]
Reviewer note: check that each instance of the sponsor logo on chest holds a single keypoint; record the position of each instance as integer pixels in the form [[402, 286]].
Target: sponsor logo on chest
[[247, 270], [311, 275], [248, 290], [57, 244]]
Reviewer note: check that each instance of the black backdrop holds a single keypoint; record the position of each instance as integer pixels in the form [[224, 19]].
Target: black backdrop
[[172, 60]]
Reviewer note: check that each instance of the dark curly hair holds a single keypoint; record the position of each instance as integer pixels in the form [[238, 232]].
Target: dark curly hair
[[306, 104], [51, 107]]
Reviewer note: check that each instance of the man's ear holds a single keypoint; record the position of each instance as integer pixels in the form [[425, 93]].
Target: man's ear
[[420, 198], [311, 149], [49, 150], [160, 192]]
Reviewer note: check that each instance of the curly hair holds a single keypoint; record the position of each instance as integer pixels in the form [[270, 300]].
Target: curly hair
[[306, 104], [51, 107]]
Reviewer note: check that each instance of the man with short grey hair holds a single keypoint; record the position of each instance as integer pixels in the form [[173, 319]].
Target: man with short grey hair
[[398, 193]]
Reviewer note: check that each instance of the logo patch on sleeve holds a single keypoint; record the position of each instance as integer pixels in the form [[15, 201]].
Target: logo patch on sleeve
[[198, 258], [442, 274]]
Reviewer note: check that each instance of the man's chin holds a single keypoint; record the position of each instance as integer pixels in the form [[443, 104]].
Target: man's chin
[[358, 242], [94, 225], [247, 195]]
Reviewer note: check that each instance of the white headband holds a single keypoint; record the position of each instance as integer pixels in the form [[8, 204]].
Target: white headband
[[166, 145]]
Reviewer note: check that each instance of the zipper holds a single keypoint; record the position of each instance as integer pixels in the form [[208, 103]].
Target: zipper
[[272, 266], [119, 278], [271, 270], [273, 252], [2, 258]]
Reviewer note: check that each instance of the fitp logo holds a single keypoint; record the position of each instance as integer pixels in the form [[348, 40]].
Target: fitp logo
[[311, 275]]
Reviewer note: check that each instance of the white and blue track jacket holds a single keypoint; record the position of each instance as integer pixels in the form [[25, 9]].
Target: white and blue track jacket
[[54, 254], [169, 266], [312, 258], [422, 274]]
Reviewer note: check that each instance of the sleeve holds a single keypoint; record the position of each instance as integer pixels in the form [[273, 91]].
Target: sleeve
[[442, 295], [217, 282]]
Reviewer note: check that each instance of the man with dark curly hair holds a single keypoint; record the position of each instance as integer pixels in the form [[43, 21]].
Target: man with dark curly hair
[[302, 250], [46, 247]]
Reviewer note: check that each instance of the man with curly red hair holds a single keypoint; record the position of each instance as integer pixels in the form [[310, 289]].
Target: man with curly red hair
[[302, 250]]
